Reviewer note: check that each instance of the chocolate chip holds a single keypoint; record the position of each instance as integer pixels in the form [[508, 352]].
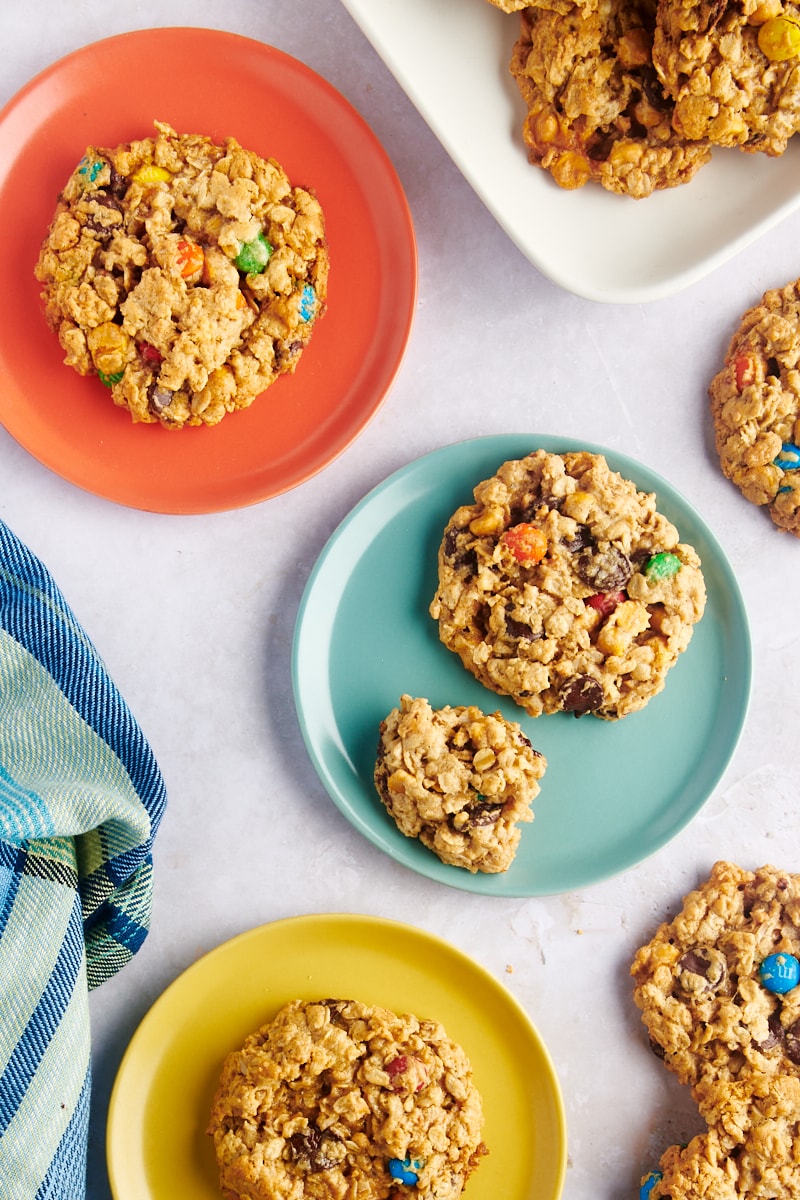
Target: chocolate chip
[[312, 1147], [483, 813], [694, 962], [158, 398], [706, 964], [457, 556], [581, 538], [604, 570], [653, 89], [773, 368], [580, 694], [792, 1039], [774, 1036], [599, 146], [521, 631], [535, 505], [105, 200], [119, 184], [715, 13], [335, 1008]]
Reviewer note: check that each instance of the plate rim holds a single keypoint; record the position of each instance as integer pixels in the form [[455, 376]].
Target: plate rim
[[431, 867], [264, 479], [320, 923]]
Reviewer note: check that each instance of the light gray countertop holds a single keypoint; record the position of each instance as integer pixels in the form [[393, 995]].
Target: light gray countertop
[[194, 615]]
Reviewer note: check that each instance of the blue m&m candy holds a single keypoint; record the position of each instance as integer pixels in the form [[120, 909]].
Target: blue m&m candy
[[788, 459], [308, 303], [648, 1183], [780, 973], [404, 1170]]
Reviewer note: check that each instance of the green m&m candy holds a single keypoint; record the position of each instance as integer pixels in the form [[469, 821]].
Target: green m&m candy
[[662, 566], [254, 256]]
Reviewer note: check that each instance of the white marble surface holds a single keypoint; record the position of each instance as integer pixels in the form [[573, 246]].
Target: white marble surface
[[194, 615]]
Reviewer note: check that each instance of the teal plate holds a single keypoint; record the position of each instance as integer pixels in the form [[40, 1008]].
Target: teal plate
[[613, 792]]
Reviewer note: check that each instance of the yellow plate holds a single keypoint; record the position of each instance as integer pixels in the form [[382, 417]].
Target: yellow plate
[[156, 1144]]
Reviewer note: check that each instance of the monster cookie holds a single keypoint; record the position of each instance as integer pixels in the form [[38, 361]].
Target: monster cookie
[[563, 587], [596, 110], [187, 275], [458, 780], [718, 995], [755, 407], [731, 70], [335, 1099]]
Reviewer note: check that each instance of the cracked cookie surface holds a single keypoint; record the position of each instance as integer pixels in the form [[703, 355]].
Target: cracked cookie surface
[[755, 407], [564, 588], [187, 275], [731, 70], [596, 109], [704, 987], [336, 1098], [459, 780]]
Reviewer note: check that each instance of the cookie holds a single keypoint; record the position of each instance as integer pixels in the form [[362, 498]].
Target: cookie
[[717, 988], [731, 70], [755, 407], [458, 780], [335, 1098], [187, 275], [564, 588], [596, 109]]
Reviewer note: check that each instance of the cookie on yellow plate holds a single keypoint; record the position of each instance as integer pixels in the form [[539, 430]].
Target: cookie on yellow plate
[[335, 1098]]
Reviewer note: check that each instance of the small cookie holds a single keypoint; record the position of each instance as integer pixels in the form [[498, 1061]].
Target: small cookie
[[564, 588], [187, 275], [718, 992], [731, 70], [335, 1098], [596, 109], [458, 780], [755, 407]]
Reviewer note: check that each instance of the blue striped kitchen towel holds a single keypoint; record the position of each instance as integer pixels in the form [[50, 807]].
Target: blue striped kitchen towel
[[81, 797]]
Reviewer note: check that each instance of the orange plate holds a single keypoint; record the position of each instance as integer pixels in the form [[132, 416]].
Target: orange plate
[[218, 84]]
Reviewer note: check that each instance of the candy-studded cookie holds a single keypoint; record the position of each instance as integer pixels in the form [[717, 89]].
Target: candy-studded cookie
[[563, 587], [334, 1098], [187, 275], [755, 407], [459, 780], [718, 991], [732, 70], [596, 109]]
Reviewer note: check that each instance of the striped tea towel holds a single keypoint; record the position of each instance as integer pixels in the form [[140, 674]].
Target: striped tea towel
[[81, 797]]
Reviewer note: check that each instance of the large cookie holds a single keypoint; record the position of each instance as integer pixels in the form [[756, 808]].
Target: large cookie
[[563, 587], [732, 70], [755, 407], [334, 1099], [187, 275], [596, 109], [717, 989], [459, 780]]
